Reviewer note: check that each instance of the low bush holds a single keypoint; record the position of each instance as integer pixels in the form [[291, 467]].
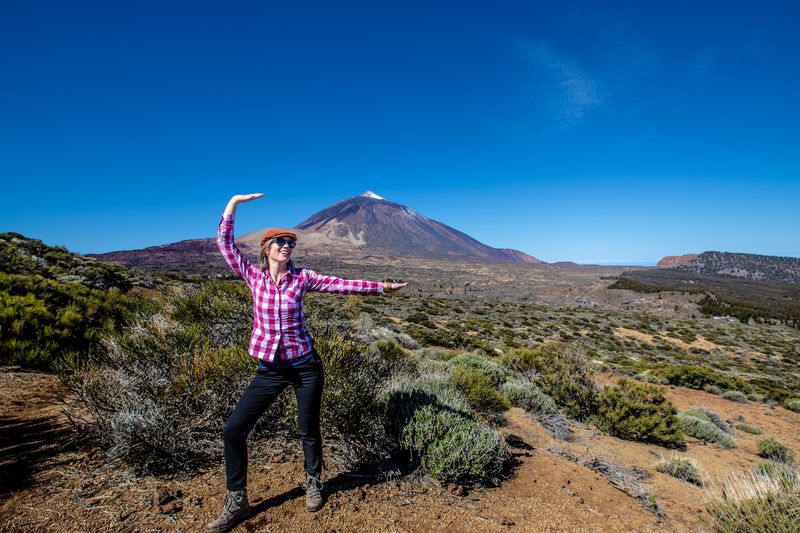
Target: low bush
[[698, 377], [496, 373], [735, 396], [793, 404], [454, 448], [166, 386], [753, 502], [684, 469], [562, 371], [524, 393], [161, 400], [701, 427], [711, 416], [748, 428], [478, 390], [639, 412], [775, 450]]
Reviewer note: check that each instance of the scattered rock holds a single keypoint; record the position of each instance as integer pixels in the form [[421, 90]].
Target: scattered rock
[[164, 494], [506, 521], [455, 490], [359, 494], [195, 501], [171, 507]]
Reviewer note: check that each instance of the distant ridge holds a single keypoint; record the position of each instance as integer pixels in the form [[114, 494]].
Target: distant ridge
[[748, 266]]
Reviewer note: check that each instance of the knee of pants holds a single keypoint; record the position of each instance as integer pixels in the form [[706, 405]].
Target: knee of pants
[[234, 431]]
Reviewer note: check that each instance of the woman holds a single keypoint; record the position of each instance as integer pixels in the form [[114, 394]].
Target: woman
[[285, 352]]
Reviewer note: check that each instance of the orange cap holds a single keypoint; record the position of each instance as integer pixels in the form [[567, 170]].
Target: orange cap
[[277, 232]]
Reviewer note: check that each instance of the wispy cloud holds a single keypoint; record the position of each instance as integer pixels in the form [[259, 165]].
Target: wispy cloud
[[567, 88], [560, 84]]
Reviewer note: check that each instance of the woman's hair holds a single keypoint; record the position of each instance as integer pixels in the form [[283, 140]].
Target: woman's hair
[[263, 257]]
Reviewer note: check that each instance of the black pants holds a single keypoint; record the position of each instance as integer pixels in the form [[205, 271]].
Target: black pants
[[307, 380]]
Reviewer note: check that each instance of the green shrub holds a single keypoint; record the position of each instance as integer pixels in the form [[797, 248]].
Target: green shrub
[[698, 377], [496, 373], [711, 416], [793, 404], [454, 448], [436, 337], [44, 323], [420, 318], [702, 428], [735, 396], [479, 390], [752, 502], [684, 469], [639, 412], [524, 393], [748, 428], [775, 450], [563, 372]]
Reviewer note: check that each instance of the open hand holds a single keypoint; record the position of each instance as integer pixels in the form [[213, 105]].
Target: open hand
[[391, 287], [240, 198]]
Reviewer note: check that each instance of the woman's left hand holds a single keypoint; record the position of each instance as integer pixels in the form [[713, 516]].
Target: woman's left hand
[[391, 287]]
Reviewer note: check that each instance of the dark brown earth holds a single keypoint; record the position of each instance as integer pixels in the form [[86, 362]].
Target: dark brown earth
[[51, 483]]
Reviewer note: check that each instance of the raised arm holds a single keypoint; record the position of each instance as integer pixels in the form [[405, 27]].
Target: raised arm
[[225, 240]]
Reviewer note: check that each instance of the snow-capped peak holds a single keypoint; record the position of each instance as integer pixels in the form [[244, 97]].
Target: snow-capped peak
[[370, 194]]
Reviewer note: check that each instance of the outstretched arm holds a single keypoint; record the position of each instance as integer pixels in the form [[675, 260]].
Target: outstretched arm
[[321, 283], [225, 240]]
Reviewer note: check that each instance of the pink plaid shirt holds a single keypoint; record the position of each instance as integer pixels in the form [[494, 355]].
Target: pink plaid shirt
[[278, 318]]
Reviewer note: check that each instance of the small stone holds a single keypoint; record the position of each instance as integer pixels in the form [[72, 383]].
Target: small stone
[[94, 501], [359, 494], [195, 501], [172, 507], [162, 495], [506, 521]]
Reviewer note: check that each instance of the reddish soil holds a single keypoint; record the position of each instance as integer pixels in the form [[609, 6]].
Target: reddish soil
[[51, 484]]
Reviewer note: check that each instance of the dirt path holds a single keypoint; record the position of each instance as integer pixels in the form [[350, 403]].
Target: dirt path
[[52, 486]]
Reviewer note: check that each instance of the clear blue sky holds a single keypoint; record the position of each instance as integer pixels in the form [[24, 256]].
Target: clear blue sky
[[594, 131]]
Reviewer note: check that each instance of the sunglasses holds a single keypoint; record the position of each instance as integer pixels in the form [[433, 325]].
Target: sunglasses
[[280, 241]]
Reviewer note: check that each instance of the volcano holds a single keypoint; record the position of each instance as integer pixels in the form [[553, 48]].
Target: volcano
[[379, 226]]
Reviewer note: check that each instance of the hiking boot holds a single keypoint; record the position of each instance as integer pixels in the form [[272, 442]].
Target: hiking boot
[[313, 493], [234, 509]]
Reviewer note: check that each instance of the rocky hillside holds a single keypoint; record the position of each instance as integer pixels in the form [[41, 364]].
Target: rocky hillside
[[749, 266], [20, 255], [671, 261]]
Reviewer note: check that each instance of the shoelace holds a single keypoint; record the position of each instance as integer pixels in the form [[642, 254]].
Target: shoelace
[[315, 486]]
